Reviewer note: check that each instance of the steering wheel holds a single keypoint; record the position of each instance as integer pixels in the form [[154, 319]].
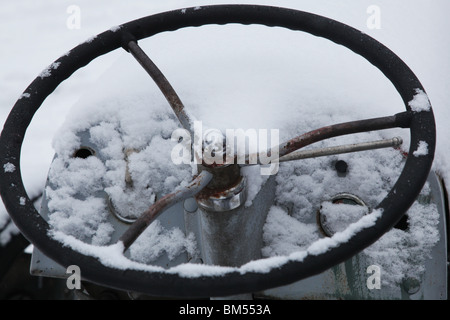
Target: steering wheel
[[227, 280]]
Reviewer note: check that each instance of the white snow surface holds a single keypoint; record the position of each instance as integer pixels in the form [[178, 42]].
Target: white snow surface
[[228, 77], [420, 102], [339, 215], [422, 149], [9, 167], [47, 72]]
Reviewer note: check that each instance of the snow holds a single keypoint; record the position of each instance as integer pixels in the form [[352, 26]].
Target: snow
[[115, 28], [48, 71], [409, 247], [308, 84], [156, 240], [422, 149], [88, 214], [9, 167], [339, 216], [108, 255], [89, 40], [131, 142], [112, 256], [420, 102], [284, 234], [323, 245], [25, 95]]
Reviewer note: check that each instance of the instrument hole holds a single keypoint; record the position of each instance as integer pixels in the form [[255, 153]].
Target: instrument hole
[[83, 153]]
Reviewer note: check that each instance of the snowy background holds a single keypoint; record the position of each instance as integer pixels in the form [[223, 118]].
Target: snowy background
[[35, 33]]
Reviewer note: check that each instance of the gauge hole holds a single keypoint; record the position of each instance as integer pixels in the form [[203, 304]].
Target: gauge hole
[[83, 153]]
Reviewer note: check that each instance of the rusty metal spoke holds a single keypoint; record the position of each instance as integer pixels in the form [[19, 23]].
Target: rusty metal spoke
[[163, 84], [147, 217]]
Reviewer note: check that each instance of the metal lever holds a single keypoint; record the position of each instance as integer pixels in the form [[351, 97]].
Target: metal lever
[[305, 154]]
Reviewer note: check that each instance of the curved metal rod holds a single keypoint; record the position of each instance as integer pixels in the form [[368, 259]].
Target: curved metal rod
[[148, 216]]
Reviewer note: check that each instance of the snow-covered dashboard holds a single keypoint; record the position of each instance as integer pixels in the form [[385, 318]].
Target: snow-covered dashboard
[[97, 187]]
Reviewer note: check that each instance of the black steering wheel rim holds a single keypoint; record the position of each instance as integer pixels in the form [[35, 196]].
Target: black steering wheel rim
[[396, 203]]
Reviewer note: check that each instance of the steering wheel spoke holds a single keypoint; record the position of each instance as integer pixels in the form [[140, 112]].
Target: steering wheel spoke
[[163, 84], [169, 200]]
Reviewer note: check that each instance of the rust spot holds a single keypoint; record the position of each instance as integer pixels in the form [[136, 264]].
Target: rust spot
[[213, 165], [208, 193], [404, 154]]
